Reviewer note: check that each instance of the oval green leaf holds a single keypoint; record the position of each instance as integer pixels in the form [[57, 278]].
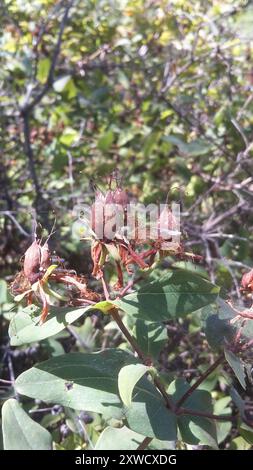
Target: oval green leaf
[[237, 366], [118, 439], [90, 382], [128, 377], [20, 432], [25, 328], [175, 295]]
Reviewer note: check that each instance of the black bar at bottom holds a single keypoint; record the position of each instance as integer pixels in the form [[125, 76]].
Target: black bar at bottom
[[113, 459]]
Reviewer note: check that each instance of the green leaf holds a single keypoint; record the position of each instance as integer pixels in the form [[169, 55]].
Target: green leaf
[[174, 295], [221, 408], [77, 380], [71, 89], [69, 136], [246, 432], [90, 382], [106, 140], [25, 328], [104, 306], [247, 329], [128, 377], [43, 70], [150, 417], [118, 439], [239, 443], [3, 292], [20, 432], [151, 337], [60, 84], [150, 142], [125, 136], [195, 429], [217, 326], [237, 365], [192, 149], [53, 347], [217, 331], [239, 402], [224, 310]]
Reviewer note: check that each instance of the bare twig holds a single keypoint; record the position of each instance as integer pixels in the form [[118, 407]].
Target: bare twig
[[11, 373], [29, 152], [27, 107], [241, 132], [210, 224], [16, 223], [78, 338]]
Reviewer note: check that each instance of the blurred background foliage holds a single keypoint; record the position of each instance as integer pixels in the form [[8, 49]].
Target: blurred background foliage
[[161, 90]]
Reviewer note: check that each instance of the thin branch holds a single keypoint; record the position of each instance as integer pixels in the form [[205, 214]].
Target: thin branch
[[128, 335], [241, 132], [144, 444], [144, 359], [78, 338], [105, 288], [241, 111], [210, 224], [11, 373], [186, 411], [70, 172], [50, 78], [27, 108], [42, 31], [16, 223], [29, 152], [199, 381]]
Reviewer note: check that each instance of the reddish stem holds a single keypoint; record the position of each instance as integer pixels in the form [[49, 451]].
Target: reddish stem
[[144, 444], [199, 381], [186, 411], [105, 288]]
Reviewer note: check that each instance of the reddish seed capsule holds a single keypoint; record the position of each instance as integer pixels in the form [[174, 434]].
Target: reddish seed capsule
[[166, 222], [247, 280], [106, 210], [32, 262], [37, 259], [120, 197], [109, 197], [97, 214]]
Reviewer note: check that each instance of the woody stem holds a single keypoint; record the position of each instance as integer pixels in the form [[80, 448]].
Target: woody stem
[[142, 356], [199, 381]]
